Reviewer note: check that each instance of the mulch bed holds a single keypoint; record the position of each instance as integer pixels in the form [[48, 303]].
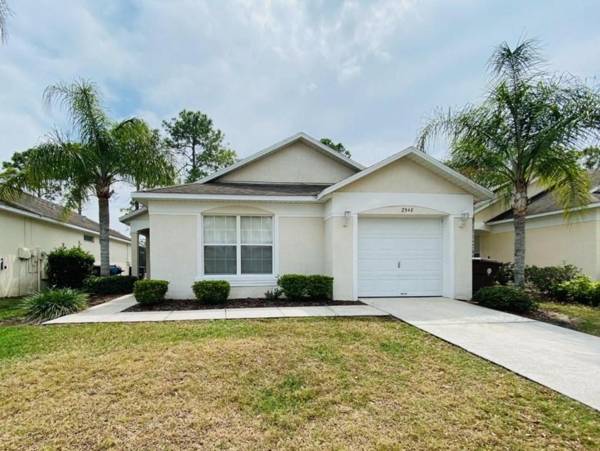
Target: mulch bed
[[97, 299], [193, 304]]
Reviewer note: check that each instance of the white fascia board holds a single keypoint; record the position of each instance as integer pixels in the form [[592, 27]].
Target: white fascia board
[[175, 196], [549, 213], [298, 136], [133, 214], [59, 223], [471, 186]]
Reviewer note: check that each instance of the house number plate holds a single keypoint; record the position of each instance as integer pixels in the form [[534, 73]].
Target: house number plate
[[407, 210]]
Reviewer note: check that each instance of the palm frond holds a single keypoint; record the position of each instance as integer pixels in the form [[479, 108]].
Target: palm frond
[[5, 12], [516, 64], [82, 102]]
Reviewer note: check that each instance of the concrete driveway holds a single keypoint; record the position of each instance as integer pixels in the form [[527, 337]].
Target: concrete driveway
[[559, 358]]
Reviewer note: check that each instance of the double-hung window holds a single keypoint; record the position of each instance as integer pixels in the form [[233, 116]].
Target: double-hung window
[[238, 245]]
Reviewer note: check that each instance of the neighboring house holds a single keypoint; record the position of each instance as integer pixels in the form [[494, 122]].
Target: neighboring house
[[31, 227], [550, 237], [402, 227]]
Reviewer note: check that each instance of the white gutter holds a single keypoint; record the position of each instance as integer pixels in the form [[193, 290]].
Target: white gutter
[[133, 214], [237, 197], [54, 221], [549, 213]]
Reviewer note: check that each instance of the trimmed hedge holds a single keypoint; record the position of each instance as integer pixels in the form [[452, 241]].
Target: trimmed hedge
[[109, 284], [298, 286], [293, 286], [542, 278], [211, 291], [508, 299], [580, 290], [69, 267], [150, 291], [545, 278], [320, 287], [50, 304]]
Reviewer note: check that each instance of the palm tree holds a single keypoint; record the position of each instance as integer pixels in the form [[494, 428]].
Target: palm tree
[[104, 154], [528, 127], [4, 13]]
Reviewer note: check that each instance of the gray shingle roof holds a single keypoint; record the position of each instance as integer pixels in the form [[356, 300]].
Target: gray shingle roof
[[47, 209], [243, 189], [545, 201]]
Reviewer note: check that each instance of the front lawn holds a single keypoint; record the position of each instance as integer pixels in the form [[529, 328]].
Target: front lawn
[[576, 316], [303, 383], [11, 310]]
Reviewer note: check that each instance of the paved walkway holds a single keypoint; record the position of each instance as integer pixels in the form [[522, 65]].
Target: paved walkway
[[112, 312], [562, 359]]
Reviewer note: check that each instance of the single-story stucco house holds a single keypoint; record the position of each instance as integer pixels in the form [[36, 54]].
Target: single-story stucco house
[[31, 227], [550, 237], [402, 227]]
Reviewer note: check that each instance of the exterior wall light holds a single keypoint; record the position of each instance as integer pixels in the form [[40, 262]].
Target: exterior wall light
[[464, 217], [347, 214]]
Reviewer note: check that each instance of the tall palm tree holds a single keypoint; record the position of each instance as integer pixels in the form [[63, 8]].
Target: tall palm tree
[[104, 154], [528, 127], [4, 13]]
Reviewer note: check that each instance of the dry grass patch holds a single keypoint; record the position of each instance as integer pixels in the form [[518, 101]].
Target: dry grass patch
[[334, 383]]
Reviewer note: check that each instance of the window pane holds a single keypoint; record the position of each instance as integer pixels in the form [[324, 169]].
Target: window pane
[[257, 259], [220, 230], [257, 229], [220, 260]]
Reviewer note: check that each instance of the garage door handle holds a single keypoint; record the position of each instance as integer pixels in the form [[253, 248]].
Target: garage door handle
[[399, 265]]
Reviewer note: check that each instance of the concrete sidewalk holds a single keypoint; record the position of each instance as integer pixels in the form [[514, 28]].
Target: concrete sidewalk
[[112, 312], [561, 359]]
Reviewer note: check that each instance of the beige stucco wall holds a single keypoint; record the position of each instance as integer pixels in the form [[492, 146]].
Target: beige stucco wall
[[550, 241], [296, 163], [173, 251], [403, 176], [176, 251], [463, 280], [18, 231], [341, 233], [301, 245]]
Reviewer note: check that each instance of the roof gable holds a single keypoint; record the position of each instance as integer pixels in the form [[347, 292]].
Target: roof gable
[[448, 180], [297, 159]]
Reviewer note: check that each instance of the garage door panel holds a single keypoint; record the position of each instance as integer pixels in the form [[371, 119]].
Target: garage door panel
[[399, 257]]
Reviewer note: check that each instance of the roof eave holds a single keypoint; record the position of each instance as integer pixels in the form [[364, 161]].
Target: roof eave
[[29, 214], [546, 213], [235, 197]]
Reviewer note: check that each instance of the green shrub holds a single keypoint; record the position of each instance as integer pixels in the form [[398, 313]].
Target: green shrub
[[211, 291], [52, 303], [319, 287], [293, 286], [69, 267], [109, 284], [545, 278], [298, 286], [273, 294], [150, 291], [580, 290], [508, 299]]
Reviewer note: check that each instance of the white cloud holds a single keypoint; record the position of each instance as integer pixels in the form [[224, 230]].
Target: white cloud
[[364, 73]]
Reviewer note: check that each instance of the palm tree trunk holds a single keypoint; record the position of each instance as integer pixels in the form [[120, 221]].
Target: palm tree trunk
[[104, 216], [519, 214]]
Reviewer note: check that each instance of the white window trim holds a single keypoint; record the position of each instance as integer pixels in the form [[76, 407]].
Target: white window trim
[[240, 280]]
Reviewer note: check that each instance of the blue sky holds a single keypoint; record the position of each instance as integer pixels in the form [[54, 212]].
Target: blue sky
[[367, 74]]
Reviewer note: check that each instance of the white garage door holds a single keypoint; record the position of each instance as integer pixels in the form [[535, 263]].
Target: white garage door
[[399, 257]]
